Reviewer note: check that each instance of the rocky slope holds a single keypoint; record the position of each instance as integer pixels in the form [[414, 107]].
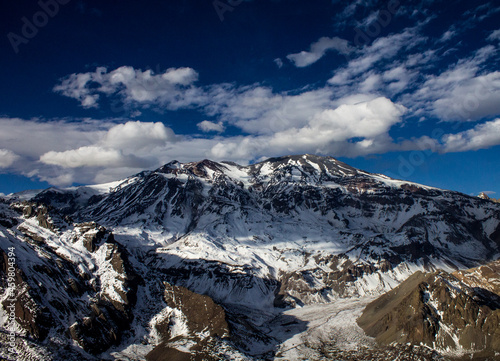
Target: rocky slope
[[96, 263], [457, 314]]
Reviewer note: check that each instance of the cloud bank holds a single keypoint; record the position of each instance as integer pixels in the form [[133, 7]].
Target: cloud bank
[[379, 88]]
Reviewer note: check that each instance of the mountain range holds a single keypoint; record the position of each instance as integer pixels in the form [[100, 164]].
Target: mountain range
[[293, 258]]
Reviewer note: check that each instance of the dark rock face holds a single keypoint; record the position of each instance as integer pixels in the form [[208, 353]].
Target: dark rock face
[[93, 234], [55, 294], [205, 320], [202, 313], [40, 212], [109, 316], [439, 310], [29, 314]]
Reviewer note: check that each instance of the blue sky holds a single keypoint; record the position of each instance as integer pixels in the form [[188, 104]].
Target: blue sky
[[96, 91]]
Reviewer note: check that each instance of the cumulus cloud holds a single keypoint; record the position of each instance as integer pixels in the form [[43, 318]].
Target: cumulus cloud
[[328, 132], [318, 49], [135, 136], [7, 158], [172, 88], [260, 111], [481, 136], [40, 136], [76, 86], [208, 126], [363, 120], [123, 145], [90, 152], [63, 151], [91, 156], [182, 76]]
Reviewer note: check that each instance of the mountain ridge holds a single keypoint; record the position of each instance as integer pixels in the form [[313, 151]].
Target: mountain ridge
[[284, 234]]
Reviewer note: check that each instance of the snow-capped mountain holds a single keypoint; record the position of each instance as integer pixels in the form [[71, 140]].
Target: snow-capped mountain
[[124, 268]]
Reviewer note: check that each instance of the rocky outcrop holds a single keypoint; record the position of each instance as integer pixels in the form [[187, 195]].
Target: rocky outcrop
[[30, 314], [483, 277], [203, 322], [111, 313], [41, 213], [441, 311], [85, 290], [92, 233]]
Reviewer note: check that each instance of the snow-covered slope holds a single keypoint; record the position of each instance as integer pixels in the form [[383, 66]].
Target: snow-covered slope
[[287, 232]]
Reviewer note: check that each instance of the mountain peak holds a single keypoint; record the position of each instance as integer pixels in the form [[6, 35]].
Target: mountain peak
[[483, 195], [311, 163]]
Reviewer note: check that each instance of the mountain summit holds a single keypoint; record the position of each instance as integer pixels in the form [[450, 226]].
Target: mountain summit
[[263, 245]]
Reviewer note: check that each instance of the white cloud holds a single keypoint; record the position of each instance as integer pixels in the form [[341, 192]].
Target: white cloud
[[481, 13], [495, 35], [7, 158], [58, 178], [260, 111], [358, 125], [366, 120], [76, 86], [318, 50], [255, 109], [370, 19], [138, 136], [278, 62], [351, 115], [208, 126], [463, 92], [182, 76], [40, 136], [173, 89], [123, 145], [371, 83], [328, 132], [398, 79], [447, 35], [346, 16], [310, 122], [91, 156], [470, 99], [383, 48], [482, 136], [63, 151]]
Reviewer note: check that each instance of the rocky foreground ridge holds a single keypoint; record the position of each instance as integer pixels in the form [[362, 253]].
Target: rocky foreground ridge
[[212, 260]]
